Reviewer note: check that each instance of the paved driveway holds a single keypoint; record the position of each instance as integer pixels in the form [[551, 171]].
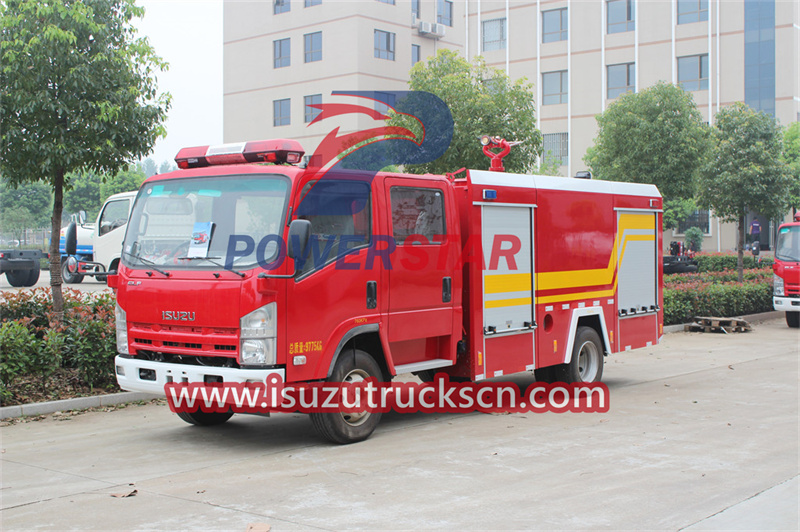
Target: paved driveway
[[702, 432], [89, 284]]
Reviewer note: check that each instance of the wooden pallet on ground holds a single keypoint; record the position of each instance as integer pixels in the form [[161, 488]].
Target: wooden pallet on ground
[[723, 325]]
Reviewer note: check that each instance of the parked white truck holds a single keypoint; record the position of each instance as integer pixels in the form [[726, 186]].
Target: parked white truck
[[99, 245]]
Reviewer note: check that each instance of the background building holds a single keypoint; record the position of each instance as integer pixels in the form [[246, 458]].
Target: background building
[[281, 55]]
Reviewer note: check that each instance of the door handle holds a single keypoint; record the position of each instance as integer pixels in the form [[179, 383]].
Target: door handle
[[372, 294], [447, 290]]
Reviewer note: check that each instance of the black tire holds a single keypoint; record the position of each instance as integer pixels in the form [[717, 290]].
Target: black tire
[[67, 277], [793, 319], [33, 277], [586, 363], [18, 278], [205, 419], [351, 366]]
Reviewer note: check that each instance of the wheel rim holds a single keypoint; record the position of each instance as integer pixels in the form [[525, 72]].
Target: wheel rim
[[355, 419], [588, 362]]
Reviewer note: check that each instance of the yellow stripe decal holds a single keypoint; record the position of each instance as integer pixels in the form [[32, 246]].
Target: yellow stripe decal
[[500, 303], [510, 282], [599, 276]]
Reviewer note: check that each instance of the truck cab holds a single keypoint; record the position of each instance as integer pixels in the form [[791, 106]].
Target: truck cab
[[786, 270]]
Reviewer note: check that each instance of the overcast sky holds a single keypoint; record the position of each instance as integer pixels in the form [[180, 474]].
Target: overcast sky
[[188, 35]]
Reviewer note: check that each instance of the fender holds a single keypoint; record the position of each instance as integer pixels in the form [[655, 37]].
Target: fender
[[573, 327], [349, 335]]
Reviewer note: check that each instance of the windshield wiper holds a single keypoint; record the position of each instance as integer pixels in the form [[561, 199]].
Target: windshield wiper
[[240, 274], [148, 262]]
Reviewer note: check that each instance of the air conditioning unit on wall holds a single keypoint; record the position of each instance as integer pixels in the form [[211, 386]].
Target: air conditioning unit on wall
[[438, 31], [424, 28]]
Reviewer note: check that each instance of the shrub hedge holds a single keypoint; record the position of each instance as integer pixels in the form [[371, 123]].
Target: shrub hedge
[[31, 343], [717, 262]]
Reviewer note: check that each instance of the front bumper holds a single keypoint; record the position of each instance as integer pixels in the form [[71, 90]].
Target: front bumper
[[786, 304], [129, 374]]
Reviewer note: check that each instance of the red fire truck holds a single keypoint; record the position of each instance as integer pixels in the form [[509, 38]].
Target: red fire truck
[[786, 271], [477, 275]]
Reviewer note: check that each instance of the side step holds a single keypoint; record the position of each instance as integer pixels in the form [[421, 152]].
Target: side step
[[422, 366]]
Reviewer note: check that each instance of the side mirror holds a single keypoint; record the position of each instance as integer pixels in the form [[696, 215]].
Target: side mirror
[[299, 235], [81, 217], [71, 238]]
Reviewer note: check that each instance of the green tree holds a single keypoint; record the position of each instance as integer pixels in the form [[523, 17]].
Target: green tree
[[36, 198], [84, 193], [166, 166], [125, 181], [744, 172], [653, 136], [149, 167], [79, 92], [791, 156], [17, 220], [483, 101]]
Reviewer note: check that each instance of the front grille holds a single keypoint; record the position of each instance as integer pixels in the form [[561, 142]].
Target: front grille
[[188, 339]]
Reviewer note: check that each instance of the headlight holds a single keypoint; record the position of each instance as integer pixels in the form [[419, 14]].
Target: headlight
[[257, 333], [777, 285], [121, 323]]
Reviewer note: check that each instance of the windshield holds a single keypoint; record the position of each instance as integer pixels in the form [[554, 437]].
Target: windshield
[[188, 223], [788, 247]]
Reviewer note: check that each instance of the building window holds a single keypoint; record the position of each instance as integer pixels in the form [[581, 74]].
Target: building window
[[692, 11], [384, 45], [759, 55], [621, 15], [444, 12], [386, 2], [554, 87], [281, 112], [310, 3], [415, 8], [554, 25], [312, 112], [313, 46], [700, 219], [384, 101], [555, 146], [693, 72], [415, 54], [281, 6], [494, 34], [621, 79], [282, 48]]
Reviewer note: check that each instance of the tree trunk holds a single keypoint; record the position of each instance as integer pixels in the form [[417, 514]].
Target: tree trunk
[[55, 256], [740, 258]]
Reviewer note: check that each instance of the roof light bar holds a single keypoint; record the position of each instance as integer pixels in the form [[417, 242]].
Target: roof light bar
[[272, 151]]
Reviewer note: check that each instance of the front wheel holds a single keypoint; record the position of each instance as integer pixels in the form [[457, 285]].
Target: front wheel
[[352, 366], [793, 319], [586, 364], [205, 419]]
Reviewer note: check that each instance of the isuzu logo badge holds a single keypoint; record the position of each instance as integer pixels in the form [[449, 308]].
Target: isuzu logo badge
[[175, 315]]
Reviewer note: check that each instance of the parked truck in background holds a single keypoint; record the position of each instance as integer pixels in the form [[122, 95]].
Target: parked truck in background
[[477, 275], [786, 272], [98, 245], [21, 266]]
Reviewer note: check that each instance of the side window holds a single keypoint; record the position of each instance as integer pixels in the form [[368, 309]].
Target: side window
[[340, 213], [417, 211], [114, 215]]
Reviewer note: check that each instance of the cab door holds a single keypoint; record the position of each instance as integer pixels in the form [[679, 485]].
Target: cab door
[[110, 230], [423, 328]]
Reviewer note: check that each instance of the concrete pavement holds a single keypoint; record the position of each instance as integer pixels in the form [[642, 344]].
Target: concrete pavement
[[702, 433]]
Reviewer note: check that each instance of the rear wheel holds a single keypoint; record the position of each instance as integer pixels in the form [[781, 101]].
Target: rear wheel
[[586, 364], [18, 277], [205, 419], [351, 367], [69, 277], [793, 319], [33, 277]]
